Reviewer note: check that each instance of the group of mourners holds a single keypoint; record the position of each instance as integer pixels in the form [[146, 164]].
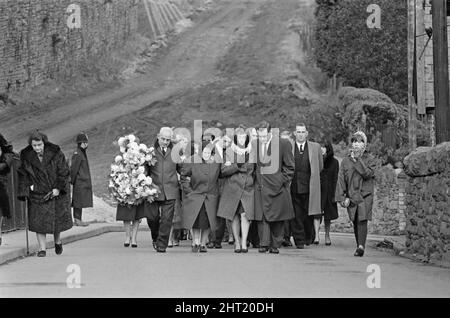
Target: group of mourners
[[266, 188]]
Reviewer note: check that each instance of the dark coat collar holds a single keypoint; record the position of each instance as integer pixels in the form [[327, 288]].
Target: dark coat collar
[[50, 150], [158, 147]]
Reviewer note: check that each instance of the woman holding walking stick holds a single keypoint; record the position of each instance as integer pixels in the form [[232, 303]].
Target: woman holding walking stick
[[44, 183]]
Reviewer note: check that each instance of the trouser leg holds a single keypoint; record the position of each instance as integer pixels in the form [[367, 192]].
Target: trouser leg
[[220, 231], [276, 233], [264, 233], [165, 223], [297, 224], [77, 212]]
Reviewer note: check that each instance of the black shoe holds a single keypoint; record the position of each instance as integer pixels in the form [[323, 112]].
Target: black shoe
[[160, 249], [41, 253], [244, 250], [359, 251], [133, 245], [286, 243], [58, 249], [237, 250], [301, 246], [274, 250], [316, 242], [154, 245], [263, 249], [203, 249], [217, 245], [126, 244]]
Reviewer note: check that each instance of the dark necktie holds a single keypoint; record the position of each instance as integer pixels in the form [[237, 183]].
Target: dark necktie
[[41, 157], [163, 151]]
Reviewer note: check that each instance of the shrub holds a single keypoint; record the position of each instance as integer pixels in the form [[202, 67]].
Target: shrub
[[363, 57]]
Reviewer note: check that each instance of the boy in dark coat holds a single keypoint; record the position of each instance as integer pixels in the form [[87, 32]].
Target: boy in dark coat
[[80, 178]]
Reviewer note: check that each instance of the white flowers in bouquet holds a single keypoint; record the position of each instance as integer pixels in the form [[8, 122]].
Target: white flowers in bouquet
[[128, 183]]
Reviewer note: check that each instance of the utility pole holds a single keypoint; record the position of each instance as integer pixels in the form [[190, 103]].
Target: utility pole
[[412, 112], [440, 69]]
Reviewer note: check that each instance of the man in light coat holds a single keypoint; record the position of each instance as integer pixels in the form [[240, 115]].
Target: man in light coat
[[305, 188]]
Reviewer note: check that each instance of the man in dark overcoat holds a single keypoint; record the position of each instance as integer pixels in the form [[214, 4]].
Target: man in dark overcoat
[[44, 181], [274, 172], [80, 178]]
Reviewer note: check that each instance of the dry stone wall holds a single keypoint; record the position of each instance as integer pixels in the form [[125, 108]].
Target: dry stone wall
[[52, 39]]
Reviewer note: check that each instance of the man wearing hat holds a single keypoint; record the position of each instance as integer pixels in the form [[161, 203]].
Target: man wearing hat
[[80, 177]]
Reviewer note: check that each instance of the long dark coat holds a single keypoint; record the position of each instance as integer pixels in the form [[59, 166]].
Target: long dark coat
[[80, 178], [5, 168], [356, 181], [238, 186], [328, 181], [272, 188], [200, 182], [53, 173]]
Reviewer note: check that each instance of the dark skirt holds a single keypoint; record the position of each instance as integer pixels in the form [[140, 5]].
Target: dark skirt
[[330, 211], [202, 221], [130, 213], [240, 209]]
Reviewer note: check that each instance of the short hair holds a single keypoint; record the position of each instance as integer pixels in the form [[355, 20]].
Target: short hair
[[37, 136], [167, 129], [301, 125], [264, 125]]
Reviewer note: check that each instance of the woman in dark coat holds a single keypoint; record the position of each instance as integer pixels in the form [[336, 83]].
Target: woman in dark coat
[[6, 157], [237, 199], [200, 181], [80, 178], [44, 180], [355, 188], [328, 181]]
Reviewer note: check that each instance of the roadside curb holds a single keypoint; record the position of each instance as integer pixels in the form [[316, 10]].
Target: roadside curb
[[73, 235]]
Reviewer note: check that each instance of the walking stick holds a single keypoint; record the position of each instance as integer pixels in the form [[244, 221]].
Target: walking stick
[[26, 225]]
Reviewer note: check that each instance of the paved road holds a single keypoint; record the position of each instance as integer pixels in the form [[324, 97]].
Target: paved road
[[110, 270]]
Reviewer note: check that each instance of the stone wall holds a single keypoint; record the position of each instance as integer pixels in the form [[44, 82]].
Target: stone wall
[[428, 203], [388, 215], [37, 43]]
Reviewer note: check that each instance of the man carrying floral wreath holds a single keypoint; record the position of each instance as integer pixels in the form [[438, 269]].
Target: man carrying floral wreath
[[164, 175]]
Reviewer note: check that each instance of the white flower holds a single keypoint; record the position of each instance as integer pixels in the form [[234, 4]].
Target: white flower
[[118, 159], [143, 147], [141, 170], [131, 138], [141, 177], [121, 142]]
